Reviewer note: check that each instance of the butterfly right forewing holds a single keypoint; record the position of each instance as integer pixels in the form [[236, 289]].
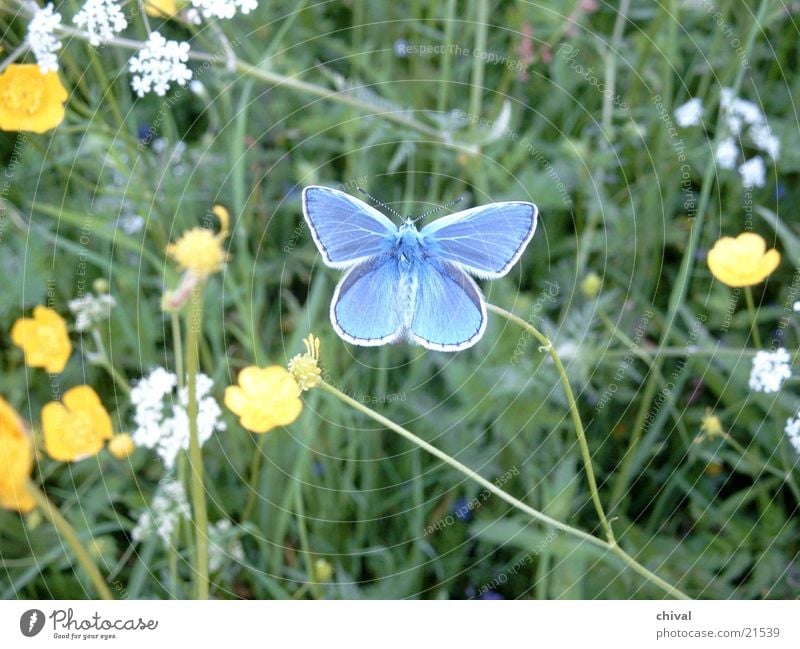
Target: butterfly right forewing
[[346, 230]]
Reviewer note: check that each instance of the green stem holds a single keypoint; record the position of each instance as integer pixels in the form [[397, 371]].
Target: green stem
[[681, 285], [751, 308], [68, 533], [105, 362], [611, 54], [194, 318], [255, 472], [478, 64], [573, 409], [503, 495], [316, 587], [177, 344]]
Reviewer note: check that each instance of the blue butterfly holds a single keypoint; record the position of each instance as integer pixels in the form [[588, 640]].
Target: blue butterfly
[[404, 283]]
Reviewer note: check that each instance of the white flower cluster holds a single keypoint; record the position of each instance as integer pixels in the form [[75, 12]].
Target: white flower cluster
[[770, 370], [223, 544], [102, 20], [158, 64], [42, 40], [224, 8], [161, 420], [742, 119], [690, 113], [793, 431], [169, 506], [90, 309]]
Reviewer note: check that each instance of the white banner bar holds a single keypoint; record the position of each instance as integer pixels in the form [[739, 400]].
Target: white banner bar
[[404, 624]]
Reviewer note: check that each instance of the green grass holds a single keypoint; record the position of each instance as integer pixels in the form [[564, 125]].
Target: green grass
[[321, 95]]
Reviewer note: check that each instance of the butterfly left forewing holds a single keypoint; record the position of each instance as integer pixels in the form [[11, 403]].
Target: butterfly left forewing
[[485, 241]]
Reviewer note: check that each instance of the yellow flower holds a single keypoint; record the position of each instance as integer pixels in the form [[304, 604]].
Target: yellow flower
[[591, 285], [712, 426], [265, 398], [161, 8], [305, 367], [16, 461], [743, 261], [199, 251], [43, 339], [121, 446], [78, 427], [323, 571], [30, 100]]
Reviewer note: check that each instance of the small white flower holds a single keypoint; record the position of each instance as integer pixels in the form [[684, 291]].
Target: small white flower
[[101, 19], [161, 419], [90, 309], [224, 8], [738, 112], [726, 98], [197, 88], [223, 545], [765, 140], [793, 431], [131, 223], [770, 370], [727, 153], [158, 64], [747, 110], [796, 307], [193, 16], [42, 40], [690, 113], [753, 172], [168, 508]]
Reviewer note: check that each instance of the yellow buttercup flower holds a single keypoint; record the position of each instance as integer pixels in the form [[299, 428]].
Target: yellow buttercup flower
[[30, 100], [16, 461], [305, 367], [43, 339], [265, 398], [161, 8], [78, 427], [743, 261], [121, 446], [199, 251]]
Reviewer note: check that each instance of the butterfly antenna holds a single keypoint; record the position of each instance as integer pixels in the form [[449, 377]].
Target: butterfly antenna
[[381, 203], [437, 209]]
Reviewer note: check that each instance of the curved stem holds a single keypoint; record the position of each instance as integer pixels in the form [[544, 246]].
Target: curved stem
[[573, 409], [194, 319], [68, 533], [503, 495]]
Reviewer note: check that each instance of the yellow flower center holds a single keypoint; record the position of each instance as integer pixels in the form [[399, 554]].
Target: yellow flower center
[[24, 94]]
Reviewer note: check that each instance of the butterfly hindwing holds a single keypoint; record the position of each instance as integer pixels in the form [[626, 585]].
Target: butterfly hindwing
[[485, 241], [364, 310], [450, 311], [345, 229]]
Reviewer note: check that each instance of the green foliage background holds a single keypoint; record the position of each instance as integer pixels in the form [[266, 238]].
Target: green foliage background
[[717, 520]]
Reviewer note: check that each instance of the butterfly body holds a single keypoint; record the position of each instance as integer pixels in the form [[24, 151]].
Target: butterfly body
[[405, 284]]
